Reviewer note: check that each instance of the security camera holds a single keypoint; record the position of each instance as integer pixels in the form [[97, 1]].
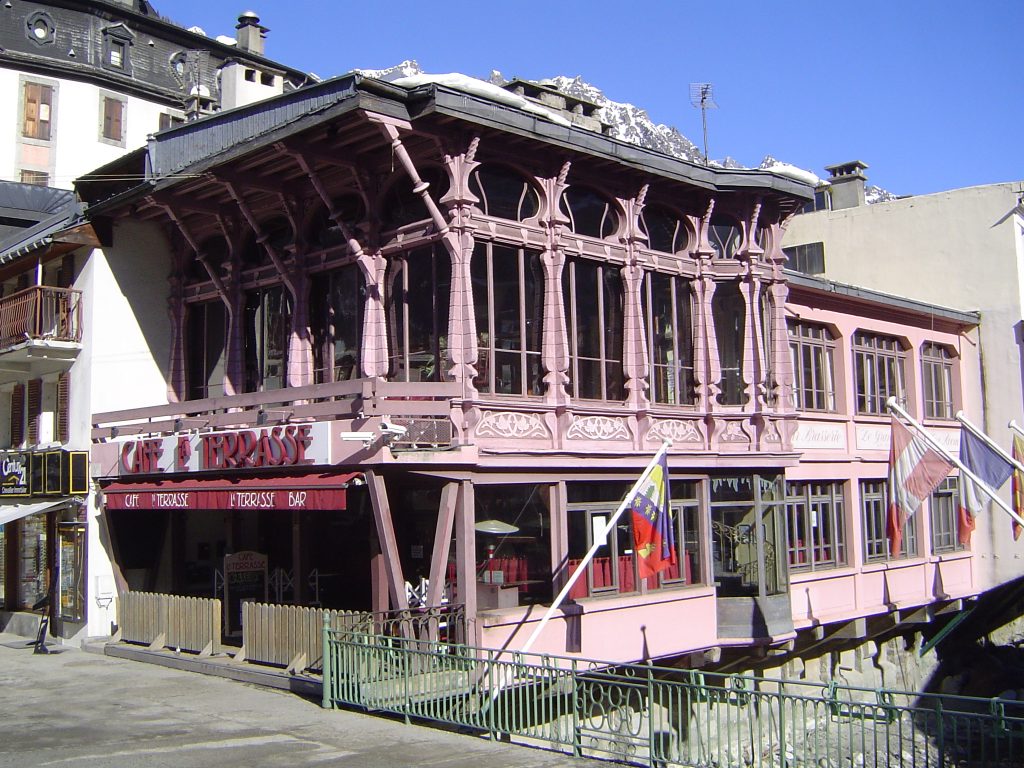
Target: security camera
[[393, 430]]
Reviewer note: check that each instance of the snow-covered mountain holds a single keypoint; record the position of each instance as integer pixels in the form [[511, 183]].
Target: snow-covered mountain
[[631, 123]]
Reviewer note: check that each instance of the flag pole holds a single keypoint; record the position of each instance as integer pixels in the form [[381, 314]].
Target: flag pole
[[599, 541], [1015, 427], [988, 441], [895, 408]]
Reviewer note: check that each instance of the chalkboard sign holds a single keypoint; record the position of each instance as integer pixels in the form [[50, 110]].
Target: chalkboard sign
[[245, 578]]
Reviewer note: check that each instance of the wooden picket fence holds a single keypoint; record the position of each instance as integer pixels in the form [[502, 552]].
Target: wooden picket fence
[[292, 635], [170, 621]]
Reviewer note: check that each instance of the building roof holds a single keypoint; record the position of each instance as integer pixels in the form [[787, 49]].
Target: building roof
[[51, 211], [191, 148], [854, 293]]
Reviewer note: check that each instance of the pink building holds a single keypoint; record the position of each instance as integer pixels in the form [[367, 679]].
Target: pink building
[[421, 337]]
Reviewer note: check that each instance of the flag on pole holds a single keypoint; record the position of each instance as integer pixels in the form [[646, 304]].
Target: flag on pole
[[991, 468], [915, 470], [653, 536], [1018, 484]]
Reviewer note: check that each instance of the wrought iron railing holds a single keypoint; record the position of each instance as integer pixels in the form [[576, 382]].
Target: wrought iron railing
[[646, 715], [41, 312]]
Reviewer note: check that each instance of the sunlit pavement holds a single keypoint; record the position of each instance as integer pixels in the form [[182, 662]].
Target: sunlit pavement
[[85, 710]]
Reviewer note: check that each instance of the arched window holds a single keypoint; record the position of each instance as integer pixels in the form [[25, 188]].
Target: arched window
[[728, 308], [215, 251], [503, 193], [402, 206], [594, 304], [666, 232], [323, 232], [589, 212], [725, 237], [279, 236]]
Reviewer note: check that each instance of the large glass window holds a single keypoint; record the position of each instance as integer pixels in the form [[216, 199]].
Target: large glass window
[[665, 230], [878, 371], [614, 569], [812, 349], [503, 193], [508, 294], [944, 503], [418, 297], [937, 375], [594, 302], [728, 308], [513, 545], [338, 299], [874, 510], [266, 332], [815, 535], [747, 539], [206, 350], [668, 311], [589, 212], [724, 236]]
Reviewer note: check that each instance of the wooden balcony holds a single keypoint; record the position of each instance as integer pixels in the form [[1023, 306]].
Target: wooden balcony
[[40, 331], [424, 409]]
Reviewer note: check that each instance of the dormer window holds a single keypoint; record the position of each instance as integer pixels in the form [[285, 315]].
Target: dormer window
[[117, 42]]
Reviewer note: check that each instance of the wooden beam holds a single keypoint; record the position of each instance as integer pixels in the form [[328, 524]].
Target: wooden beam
[[465, 557], [442, 543], [386, 536]]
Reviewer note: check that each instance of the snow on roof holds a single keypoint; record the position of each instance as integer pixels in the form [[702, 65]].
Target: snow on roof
[[785, 169], [197, 31], [486, 90], [225, 40]]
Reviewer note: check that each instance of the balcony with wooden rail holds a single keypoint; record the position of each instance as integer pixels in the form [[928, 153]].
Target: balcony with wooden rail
[[40, 331]]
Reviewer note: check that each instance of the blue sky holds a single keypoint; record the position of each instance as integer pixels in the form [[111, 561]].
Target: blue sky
[[929, 94]]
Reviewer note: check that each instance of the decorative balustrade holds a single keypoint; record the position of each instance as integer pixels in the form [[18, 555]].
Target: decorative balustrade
[[41, 313]]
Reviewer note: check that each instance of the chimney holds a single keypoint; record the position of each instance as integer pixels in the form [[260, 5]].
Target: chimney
[[847, 184], [250, 33]]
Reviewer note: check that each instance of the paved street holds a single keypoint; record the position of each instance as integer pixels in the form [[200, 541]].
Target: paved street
[[83, 710]]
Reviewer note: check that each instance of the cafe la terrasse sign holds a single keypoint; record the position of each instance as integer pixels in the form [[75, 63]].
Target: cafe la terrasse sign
[[294, 445]]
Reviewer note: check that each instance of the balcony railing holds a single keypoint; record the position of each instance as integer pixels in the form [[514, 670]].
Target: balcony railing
[[423, 408], [41, 313]]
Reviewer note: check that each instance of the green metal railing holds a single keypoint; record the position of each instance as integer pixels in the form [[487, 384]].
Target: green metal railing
[[666, 717]]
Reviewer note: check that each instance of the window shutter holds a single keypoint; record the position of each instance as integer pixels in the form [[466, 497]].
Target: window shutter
[[18, 416], [31, 126], [35, 407], [63, 407]]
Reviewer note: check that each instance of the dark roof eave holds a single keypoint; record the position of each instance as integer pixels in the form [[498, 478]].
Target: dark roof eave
[[824, 285], [121, 199], [455, 103]]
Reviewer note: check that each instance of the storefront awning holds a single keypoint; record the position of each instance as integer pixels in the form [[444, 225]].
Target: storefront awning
[[11, 512], [310, 492]]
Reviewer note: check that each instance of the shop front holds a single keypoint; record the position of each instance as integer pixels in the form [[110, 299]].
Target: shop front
[[42, 539]]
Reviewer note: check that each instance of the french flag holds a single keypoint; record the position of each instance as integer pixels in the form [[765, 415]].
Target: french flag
[[990, 467], [915, 470]]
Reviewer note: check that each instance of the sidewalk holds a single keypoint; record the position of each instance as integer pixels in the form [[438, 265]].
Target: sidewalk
[[84, 710]]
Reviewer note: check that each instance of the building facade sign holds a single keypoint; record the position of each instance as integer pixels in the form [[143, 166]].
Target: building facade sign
[[820, 435], [294, 445], [15, 469], [243, 499]]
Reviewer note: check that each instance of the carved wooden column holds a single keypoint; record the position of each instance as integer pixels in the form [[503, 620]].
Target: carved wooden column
[[748, 283], [300, 345], [463, 350], [635, 355], [555, 347], [176, 383]]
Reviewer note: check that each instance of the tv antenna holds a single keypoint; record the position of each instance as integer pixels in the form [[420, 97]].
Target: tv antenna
[[701, 95]]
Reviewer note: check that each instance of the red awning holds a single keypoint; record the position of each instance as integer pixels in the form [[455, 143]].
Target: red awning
[[316, 492]]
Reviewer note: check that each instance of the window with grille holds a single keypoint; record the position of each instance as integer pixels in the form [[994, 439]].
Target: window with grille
[[668, 316], [878, 372], [944, 503], [808, 259], [937, 378], [813, 350], [874, 509], [594, 312], [815, 525]]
